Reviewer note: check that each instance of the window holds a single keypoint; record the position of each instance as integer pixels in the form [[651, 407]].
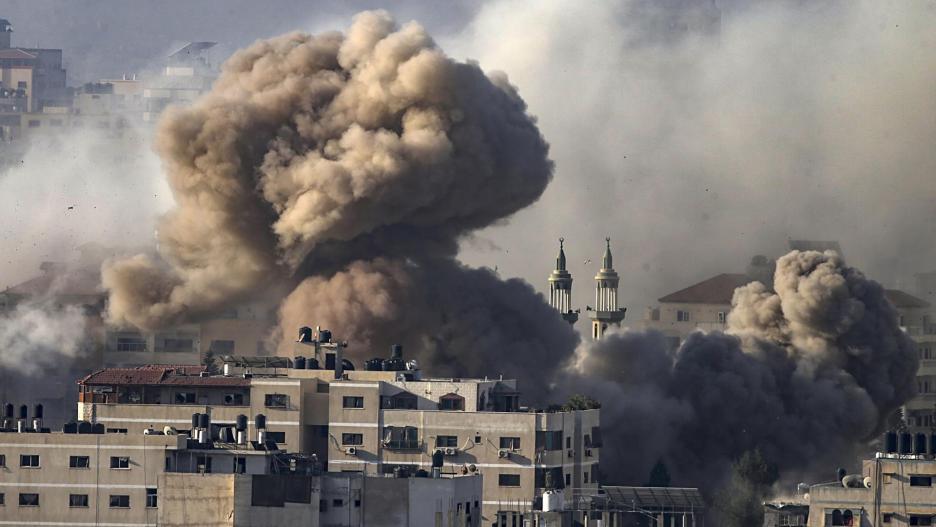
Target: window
[[131, 344], [185, 397], [721, 317], [29, 461], [276, 437], [79, 462], [240, 465], [921, 481], [2, 499], [451, 402], [568, 479], [222, 347], [116, 430], [400, 401], [352, 439], [920, 520], [77, 500], [511, 443], [21, 85], [682, 316], [321, 387], [887, 516], [352, 402], [585, 477], [119, 501], [508, 480], [176, 345], [28, 499], [323, 505], [337, 502], [119, 462], [151, 498], [446, 441], [477, 440], [276, 400], [357, 503], [33, 123], [2, 460], [549, 440], [401, 438]]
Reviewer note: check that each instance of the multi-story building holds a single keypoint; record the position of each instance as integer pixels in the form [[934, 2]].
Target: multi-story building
[[606, 312], [893, 489], [374, 421], [187, 75], [84, 476], [36, 73]]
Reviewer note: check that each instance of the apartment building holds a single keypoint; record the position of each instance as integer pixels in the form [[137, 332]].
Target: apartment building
[[893, 489], [79, 477], [389, 421]]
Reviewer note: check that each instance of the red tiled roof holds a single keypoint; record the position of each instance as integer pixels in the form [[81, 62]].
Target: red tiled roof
[[79, 282], [15, 53], [904, 300], [716, 290], [175, 375]]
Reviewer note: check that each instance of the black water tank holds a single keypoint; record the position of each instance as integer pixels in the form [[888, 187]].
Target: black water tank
[[347, 365], [904, 443], [438, 459], [196, 419], [260, 421], [305, 334], [373, 364], [37, 411], [241, 422], [84, 427], [312, 363], [24, 412], [98, 428], [919, 444], [70, 428], [396, 351], [299, 363], [325, 336], [9, 411], [204, 421], [394, 365]]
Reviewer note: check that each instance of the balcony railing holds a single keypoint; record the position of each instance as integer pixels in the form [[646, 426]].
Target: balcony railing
[[402, 444]]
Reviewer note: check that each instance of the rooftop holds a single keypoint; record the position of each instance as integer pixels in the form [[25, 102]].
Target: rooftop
[[152, 375], [904, 300], [716, 290], [15, 53], [655, 497], [78, 282]]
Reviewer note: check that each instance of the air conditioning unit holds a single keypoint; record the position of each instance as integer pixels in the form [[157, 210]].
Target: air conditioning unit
[[503, 453], [351, 451], [450, 451]]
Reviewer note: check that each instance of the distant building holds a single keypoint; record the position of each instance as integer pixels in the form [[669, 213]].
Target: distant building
[[606, 312], [35, 73], [560, 288], [187, 76]]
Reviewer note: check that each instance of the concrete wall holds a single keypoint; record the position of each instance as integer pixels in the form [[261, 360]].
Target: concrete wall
[[196, 499]]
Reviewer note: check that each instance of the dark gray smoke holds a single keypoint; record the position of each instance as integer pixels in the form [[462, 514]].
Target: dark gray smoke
[[805, 374]]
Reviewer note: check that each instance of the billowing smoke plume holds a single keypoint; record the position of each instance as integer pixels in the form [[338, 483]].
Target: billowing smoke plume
[[314, 152], [38, 334], [804, 373]]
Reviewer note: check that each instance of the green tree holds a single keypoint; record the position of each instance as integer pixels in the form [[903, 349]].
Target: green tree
[[580, 402], [740, 503], [659, 475]]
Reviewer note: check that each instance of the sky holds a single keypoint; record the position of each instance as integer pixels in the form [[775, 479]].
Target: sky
[[695, 134]]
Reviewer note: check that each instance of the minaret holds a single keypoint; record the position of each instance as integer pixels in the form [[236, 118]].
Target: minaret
[[606, 312], [560, 288]]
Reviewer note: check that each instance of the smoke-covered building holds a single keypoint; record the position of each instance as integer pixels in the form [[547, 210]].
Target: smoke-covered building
[[186, 76]]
